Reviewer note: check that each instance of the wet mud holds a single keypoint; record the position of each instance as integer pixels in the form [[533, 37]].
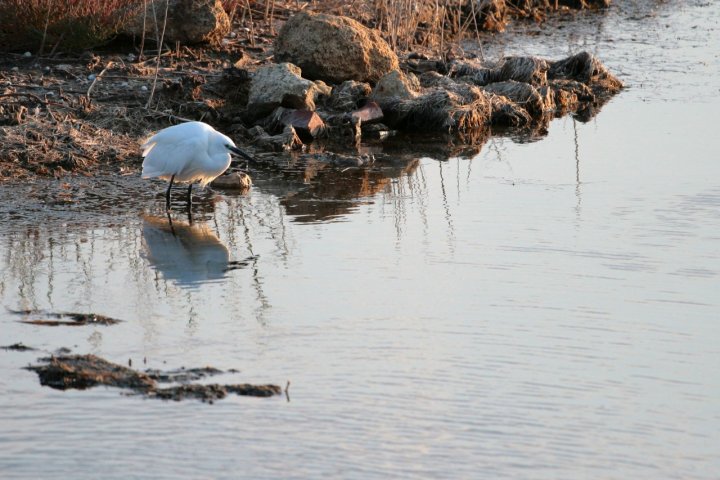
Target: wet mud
[[87, 371]]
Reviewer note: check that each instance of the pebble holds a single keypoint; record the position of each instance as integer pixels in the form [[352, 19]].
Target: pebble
[[27, 54], [15, 69], [143, 88], [92, 77], [131, 57]]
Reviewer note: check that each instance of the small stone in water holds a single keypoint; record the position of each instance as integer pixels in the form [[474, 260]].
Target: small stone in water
[[143, 88], [27, 54], [92, 77]]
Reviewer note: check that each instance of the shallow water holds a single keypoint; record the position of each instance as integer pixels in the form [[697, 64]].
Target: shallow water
[[543, 310]]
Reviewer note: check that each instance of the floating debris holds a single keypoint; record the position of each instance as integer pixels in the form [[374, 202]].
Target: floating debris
[[65, 319], [87, 371], [182, 375], [210, 393], [18, 347]]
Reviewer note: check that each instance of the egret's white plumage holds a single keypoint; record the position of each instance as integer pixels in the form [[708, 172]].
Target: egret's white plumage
[[192, 152], [188, 153]]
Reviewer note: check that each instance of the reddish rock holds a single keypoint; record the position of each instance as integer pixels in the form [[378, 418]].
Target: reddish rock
[[371, 112], [306, 123]]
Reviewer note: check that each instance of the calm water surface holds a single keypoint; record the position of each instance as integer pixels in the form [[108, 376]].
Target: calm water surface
[[543, 310]]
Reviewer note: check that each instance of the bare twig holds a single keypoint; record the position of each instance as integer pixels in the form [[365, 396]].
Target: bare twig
[[42, 42], [157, 65], [252, 27], [95, 80], [142, 39], [170, 115]]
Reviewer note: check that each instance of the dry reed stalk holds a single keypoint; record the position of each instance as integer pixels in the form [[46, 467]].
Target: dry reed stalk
[[252, 26], [160, 44], [142, 38], [44, 36]]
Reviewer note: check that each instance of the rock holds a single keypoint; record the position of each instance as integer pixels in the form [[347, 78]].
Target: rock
[[307, 124], [348, 95], [189, 21], [370, 113], [334, 48], [234, 180], [279, 85], [395, 85], [285, 141], [323, 88]]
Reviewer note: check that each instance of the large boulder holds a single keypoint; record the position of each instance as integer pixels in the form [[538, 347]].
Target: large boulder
[[280, 85], [334, 48], [188, 21]]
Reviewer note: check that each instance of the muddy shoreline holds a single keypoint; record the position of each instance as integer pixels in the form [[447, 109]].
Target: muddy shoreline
[[84, 114]]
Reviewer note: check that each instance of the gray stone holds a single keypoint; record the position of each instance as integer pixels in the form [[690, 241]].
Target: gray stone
[[395, 85], [280, 85]]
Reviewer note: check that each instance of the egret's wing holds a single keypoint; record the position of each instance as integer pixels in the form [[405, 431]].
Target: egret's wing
[[167, 155]]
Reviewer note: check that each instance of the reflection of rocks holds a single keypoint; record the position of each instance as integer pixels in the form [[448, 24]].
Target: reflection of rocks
[[313, 189], [186, 254]]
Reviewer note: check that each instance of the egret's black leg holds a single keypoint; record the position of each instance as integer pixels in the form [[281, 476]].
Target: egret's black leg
[[167, 194], [189, 196]]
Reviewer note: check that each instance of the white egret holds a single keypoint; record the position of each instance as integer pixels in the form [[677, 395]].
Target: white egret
[[188, 153]]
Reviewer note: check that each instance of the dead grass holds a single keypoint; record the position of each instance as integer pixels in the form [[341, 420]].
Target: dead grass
[[46, 25]]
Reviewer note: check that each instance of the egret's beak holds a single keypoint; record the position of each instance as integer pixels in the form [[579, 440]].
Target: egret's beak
[[239, 152]]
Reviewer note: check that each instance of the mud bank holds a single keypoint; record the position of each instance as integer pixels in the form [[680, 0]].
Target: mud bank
[[86, 371], [82, 114]]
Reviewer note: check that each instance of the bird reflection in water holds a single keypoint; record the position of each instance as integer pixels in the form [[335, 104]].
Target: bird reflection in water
[[186, 253]]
